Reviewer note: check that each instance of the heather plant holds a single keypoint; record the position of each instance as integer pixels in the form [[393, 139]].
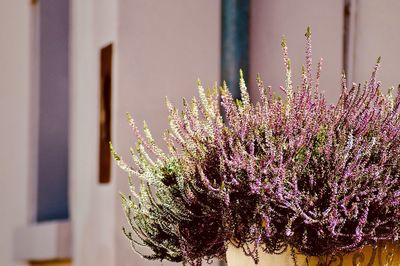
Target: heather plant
[[286, 172]]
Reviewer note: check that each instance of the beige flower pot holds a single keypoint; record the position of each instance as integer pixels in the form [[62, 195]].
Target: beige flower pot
[[384, 255]]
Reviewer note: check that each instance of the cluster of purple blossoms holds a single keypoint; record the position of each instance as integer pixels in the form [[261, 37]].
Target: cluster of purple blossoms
[[292, 171]]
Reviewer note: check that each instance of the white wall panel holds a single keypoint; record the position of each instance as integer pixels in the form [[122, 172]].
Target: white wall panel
[[93, 25]]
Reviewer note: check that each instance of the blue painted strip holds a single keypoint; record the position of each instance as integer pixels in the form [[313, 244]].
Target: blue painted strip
[[235, 42], [52, 187]]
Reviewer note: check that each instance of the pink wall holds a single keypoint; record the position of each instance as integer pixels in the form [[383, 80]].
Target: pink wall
[[272, 19], [377, 34], [15, 120], [163, 47]]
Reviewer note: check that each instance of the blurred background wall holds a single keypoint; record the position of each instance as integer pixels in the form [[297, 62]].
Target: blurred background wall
[[190, 36], [126, 56], [15, 107]]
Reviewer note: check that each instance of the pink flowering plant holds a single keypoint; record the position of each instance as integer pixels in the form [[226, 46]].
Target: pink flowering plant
[[293, 171]]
